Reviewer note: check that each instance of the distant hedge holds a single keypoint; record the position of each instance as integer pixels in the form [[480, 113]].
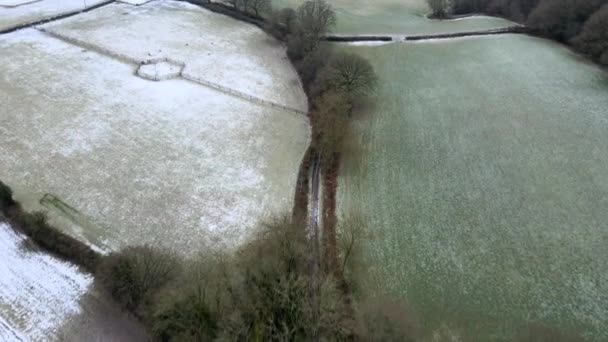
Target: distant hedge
[[49, 238], [6, 196]]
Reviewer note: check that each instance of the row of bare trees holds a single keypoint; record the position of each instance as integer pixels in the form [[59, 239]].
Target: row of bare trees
[[255, 7], [583, 24]]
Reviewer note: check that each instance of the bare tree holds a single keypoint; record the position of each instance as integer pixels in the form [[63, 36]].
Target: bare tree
[[259, 7], [316, 18], [439, 8]]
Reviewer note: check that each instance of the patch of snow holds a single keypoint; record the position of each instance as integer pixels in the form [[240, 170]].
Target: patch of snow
[[38, 10], [370, 43], [171, 163], [37, 292], [214, 48]]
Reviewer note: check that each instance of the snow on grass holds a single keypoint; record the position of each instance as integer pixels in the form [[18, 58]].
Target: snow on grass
[[170, 163], [37, 291], [15, 3], [35, 11], [213, 47]]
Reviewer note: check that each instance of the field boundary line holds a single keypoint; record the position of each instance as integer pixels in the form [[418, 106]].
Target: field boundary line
[[55, 17], [182, 74]]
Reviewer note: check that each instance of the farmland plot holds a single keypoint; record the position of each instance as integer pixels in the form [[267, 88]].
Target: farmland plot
[[213, 47], [407, 17], [18, 12], [120, 160], [486, 185]]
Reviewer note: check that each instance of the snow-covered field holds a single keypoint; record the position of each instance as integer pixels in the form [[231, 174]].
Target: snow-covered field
[[14, 13], [133, 161], [37, 291], [120, 160], [213, 47]]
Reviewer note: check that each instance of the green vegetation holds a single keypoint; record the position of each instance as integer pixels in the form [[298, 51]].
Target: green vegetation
[[440, 9], [484, 184]]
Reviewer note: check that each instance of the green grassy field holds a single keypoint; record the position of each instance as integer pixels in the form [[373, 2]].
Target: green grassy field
[[486, 185], [395, 17]]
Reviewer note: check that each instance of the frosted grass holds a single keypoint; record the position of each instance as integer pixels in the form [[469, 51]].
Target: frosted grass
[[38, 10], [37, 291], [486, 185]]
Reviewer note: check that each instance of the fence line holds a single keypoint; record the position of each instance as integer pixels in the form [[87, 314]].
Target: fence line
[[182, 74]]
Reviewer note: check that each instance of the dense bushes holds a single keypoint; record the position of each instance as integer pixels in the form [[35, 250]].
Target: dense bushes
[[593, 39], [581, 23], [36, 226], [263, 292], [6, 196], [133, 275]]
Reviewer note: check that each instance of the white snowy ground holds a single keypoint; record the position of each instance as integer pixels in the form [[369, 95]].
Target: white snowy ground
[[46, 299], [214, 47], [171, 163], [35, 11], [37, 291]]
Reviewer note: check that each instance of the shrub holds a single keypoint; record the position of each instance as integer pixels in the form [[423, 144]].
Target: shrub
[[351, 74], [134, 275], [387, 320], [35, 226], [190, 307], [6, 196], [282, 23], [593, 39], [188, 318], [439, 8]]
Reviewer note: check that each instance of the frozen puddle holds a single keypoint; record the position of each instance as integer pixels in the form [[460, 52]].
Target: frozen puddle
[[37, 292]]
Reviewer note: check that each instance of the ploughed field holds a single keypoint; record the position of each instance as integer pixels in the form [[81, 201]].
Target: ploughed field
[[485, 185]]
